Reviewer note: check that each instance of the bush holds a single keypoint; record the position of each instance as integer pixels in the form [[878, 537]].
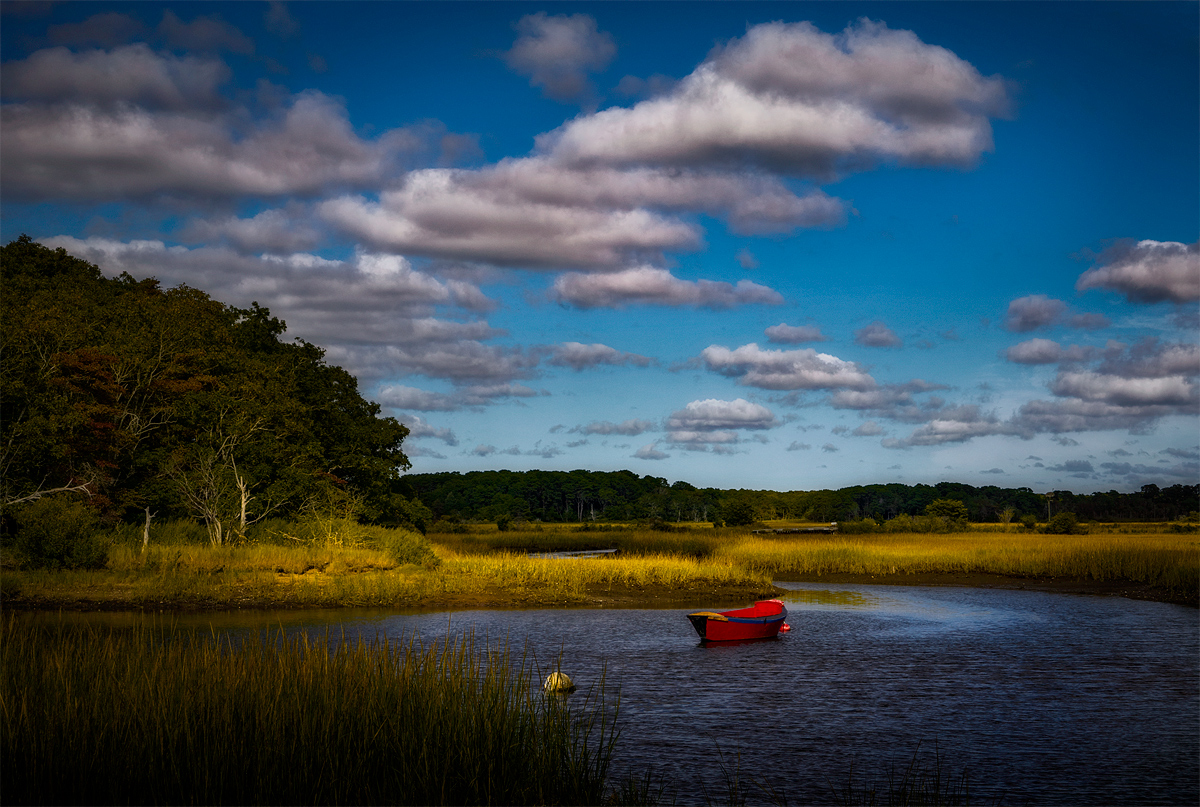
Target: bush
[[1064, 524], [406, 546], [57, 532], [504, 523], [1029, 522]]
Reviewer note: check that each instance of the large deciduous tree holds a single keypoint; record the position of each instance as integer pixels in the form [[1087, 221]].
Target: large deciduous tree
[[165, 398]]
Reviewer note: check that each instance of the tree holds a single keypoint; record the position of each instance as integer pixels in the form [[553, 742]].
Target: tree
[[948, 509], [145, 397]]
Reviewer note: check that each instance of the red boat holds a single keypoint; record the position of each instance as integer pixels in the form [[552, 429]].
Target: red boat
[[763, 620]]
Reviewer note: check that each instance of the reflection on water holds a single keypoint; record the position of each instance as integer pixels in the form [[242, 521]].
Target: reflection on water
[[1044, 698], [837, 599]]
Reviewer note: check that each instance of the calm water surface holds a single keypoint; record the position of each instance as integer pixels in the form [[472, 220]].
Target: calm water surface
[[1044, 698]]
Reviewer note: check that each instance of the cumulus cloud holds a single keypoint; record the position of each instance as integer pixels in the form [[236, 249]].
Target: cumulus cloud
[[418, 428], [557, 53], [1147, 271], [626, 427], [796, 445], [788, 97], [785, 369], [715, 415], [87, 153], [132, 123], [651, 452], [131, 74], [1081, 468], [1046, 351], [784, 334], [650, 286], [1126, 392], [1033, 312], [535, 213], [579, 356], [877, 335], [275, 231], [713, 425], [869, 429]]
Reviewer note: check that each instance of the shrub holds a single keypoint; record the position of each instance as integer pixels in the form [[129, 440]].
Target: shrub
[[1029, 522], [406, 546], [57, 532], [504, 523], [1064, 524]]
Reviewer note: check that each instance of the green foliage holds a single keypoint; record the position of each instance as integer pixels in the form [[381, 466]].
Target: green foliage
[[949, 509], [504, 523], [58, 532], [405, 546], [1029, 522], [172, 400], [738, 513], [1064, 524]]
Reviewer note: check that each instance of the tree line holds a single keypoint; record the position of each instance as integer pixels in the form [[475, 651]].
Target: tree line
[[581, 496], [159, 402]]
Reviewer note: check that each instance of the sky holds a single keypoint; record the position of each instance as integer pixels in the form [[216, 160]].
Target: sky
[[786, 246]]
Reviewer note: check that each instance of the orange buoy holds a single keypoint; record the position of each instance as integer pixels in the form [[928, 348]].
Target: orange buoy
[[785, 628]]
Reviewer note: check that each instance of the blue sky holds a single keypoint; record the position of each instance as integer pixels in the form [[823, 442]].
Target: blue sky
[[760, 245]]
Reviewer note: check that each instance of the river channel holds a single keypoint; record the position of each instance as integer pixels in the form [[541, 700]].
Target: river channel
[[1043, 698]]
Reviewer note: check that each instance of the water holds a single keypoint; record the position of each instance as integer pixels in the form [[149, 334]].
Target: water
[[1044, 698]]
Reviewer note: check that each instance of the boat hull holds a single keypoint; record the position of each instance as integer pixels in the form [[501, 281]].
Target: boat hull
[[761, 621]]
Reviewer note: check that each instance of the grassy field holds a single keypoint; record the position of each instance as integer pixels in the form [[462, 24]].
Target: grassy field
[[489, 568], [154, 716]]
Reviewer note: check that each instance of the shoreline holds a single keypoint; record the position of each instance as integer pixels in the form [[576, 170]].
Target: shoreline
[[601, 596]]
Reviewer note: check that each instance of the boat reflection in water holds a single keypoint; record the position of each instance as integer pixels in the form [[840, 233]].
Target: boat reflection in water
[[763, 620]]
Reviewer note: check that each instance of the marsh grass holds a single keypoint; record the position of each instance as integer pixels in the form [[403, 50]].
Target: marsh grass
[[150, 715], [686, 540], [1166, 560]]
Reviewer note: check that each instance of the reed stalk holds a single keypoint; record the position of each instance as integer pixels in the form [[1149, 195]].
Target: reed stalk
[[150, 715]]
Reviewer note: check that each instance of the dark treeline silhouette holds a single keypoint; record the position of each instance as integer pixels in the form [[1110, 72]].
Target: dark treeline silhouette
[[580, 496]]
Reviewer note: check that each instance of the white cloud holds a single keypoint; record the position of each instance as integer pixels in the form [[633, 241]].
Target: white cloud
[[131, 74], [785, 369], [650, 286], [1033, 312], [789, 97], [1046, 351], [557, 52], [785, 334], [626, 427], [713, 424], [877, 335], [1148, 271], [650, 452], [579, 356], [535, 213]]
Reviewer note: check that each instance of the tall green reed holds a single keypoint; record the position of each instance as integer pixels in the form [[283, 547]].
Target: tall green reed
[[150, 715]]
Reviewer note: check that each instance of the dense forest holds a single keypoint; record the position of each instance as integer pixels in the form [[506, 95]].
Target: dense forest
[[165, 402], [622, 495]]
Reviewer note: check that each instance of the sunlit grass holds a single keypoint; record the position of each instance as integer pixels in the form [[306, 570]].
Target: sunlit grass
[[1167, 560], [96, 716]]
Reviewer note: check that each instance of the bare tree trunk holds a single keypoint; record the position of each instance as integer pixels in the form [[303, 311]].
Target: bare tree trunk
[[146, 531]]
